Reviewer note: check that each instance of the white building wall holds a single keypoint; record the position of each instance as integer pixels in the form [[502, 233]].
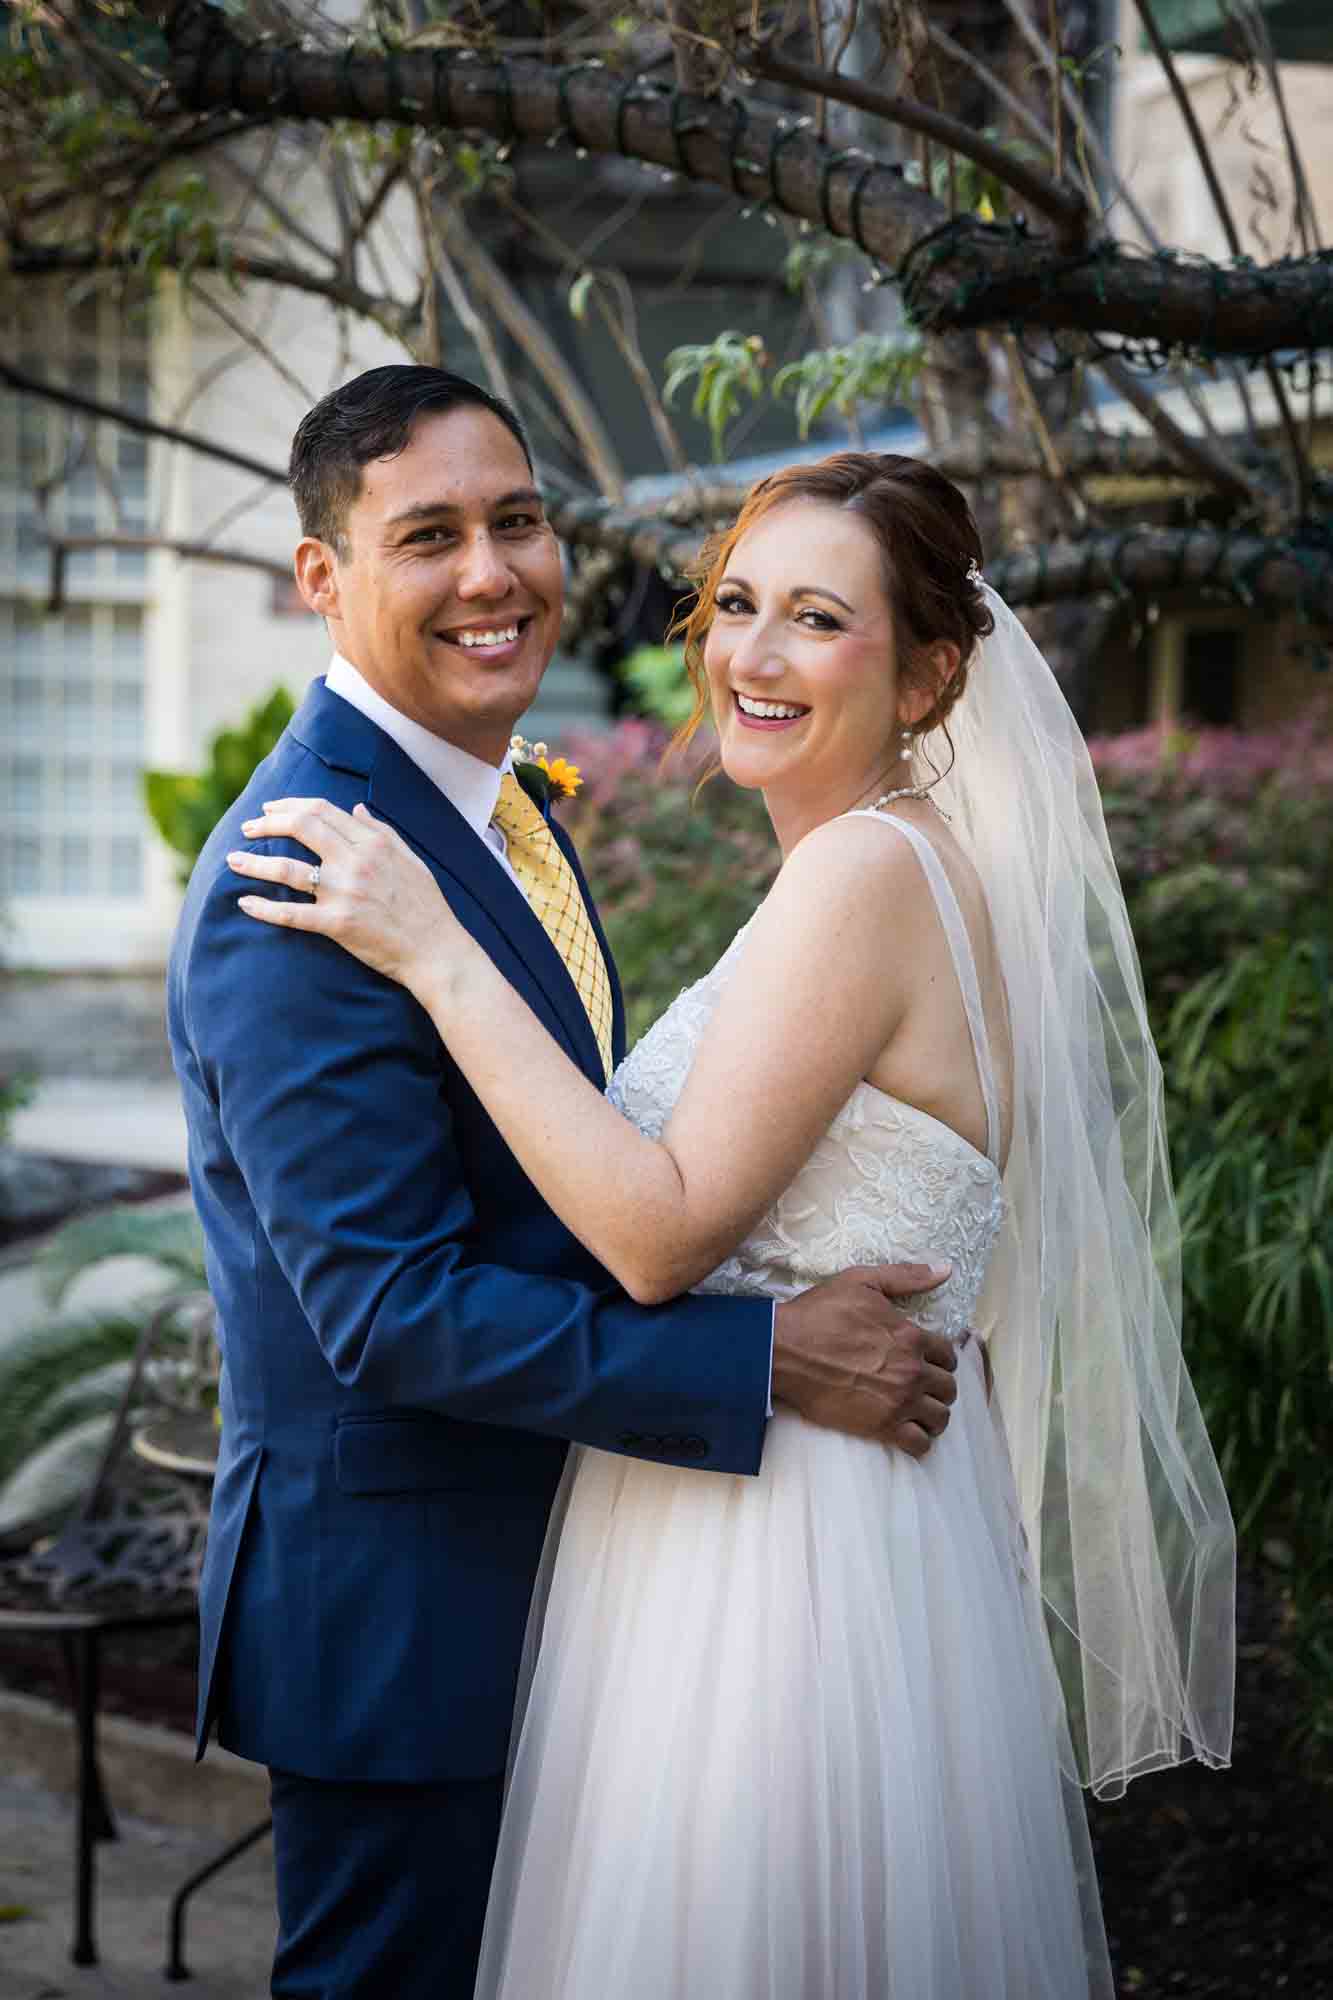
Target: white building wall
[[1243, 129], [216, 639]]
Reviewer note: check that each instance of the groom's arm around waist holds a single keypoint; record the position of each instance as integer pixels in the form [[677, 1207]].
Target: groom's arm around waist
[[329, 1084]]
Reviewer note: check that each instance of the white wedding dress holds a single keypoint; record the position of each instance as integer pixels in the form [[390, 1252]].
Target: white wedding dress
[[798, 1737]]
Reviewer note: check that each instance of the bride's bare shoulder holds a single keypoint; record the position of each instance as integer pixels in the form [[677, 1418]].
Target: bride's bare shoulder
[[844, 864]]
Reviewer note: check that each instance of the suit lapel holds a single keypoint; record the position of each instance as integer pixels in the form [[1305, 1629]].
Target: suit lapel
[[396, 790]]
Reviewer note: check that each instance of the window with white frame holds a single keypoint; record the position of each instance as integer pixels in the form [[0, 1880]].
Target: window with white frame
[[72, 683]]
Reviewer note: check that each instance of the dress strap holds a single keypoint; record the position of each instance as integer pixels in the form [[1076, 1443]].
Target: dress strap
[[964, 960]]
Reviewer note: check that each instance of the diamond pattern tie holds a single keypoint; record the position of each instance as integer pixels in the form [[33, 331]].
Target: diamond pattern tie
[[552, 889]]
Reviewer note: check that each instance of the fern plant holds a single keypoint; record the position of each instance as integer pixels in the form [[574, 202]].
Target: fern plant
[[62, 1379]]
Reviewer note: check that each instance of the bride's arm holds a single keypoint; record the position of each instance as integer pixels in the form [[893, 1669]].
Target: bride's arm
[[819, 988]]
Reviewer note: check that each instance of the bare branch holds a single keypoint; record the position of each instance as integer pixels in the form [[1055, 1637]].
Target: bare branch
[[492, 287], [1064, 204], [49, 259], [1255, 29], [1296, 459], [464, 311], [1052, 464], [1197, 454], [245, 331], [1093, 151], [622, 325], [73, 399], [379, 194], [259, 188], [974, 275], [1015, 106], [64, 546]]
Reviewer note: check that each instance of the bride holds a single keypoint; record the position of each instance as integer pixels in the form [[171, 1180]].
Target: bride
[[818, 1735]]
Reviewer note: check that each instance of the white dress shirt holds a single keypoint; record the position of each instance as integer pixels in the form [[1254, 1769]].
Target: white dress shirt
[[471, 785]]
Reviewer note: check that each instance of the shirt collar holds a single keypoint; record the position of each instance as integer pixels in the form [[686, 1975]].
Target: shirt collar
[[471, 785]]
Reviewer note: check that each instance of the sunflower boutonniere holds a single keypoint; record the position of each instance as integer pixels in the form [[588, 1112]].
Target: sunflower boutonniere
[[543, 777]]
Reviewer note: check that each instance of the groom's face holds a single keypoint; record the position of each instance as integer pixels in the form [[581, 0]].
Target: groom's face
[[446, 592]]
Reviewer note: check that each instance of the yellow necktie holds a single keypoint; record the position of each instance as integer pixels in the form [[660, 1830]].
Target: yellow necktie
[[552, 889]]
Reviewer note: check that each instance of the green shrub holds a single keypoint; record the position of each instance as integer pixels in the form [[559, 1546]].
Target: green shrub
[[656, 677], [185, 806], [1247, 1059]]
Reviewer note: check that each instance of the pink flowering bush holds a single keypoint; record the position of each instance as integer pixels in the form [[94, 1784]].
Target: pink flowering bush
[[1221, 838]]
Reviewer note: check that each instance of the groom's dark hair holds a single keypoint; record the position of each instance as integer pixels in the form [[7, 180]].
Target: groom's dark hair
[[372, 416]]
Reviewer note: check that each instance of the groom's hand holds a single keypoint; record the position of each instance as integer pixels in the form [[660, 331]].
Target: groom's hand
[[845, 1357]]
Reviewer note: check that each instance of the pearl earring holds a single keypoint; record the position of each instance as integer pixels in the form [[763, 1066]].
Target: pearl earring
[[906, 750]]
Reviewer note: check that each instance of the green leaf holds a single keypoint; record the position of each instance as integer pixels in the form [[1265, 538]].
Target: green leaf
[[39, 1362], [43, 1489], [170, 1237], [186, 806], [725, 370]]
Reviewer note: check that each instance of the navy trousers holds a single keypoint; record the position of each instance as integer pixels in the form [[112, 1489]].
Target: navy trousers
[[381, 1888]]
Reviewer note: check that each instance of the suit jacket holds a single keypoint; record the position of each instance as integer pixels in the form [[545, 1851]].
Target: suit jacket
[[408, 1335]]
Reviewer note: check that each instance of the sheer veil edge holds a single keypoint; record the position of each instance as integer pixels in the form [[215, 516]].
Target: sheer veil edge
[[1126, 1518]]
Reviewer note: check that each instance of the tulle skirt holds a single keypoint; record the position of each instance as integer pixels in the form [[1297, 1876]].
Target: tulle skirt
[[793, 1738]]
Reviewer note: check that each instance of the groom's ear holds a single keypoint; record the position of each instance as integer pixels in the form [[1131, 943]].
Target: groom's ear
[[316, 569]]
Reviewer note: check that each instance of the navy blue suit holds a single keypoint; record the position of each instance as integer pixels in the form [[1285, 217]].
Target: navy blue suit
[[409, 1336]]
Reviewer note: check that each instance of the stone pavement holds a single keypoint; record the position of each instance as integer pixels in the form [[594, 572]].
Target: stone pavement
[[229, 1925]]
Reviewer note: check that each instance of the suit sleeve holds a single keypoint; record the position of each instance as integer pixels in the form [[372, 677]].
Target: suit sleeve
[[332, 1092]]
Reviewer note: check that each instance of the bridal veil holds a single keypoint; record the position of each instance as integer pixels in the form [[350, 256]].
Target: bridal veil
[[1127, 1522]]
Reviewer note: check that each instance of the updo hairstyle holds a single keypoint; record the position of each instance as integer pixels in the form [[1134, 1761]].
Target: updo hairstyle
[[929, 547]]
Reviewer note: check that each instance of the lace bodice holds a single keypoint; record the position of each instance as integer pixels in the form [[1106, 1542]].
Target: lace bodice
[[887, 1182]]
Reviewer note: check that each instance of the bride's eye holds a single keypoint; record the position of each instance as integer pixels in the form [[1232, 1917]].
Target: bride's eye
[[823, 622], [732, 604]]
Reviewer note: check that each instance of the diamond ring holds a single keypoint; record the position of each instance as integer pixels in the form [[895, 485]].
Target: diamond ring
[[314, 878]]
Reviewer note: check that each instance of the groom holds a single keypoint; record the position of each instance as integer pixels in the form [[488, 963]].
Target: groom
[[409, 1337]]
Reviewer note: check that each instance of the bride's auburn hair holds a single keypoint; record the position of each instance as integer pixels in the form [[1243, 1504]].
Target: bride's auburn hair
[[929, 547]]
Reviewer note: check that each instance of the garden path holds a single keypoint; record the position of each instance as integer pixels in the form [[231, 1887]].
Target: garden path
[[230, 1936]]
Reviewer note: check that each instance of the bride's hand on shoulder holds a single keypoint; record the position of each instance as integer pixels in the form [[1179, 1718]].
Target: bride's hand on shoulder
[[367, 890]]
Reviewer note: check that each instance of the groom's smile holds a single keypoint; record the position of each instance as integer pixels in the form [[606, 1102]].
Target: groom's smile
[[445, 590]]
